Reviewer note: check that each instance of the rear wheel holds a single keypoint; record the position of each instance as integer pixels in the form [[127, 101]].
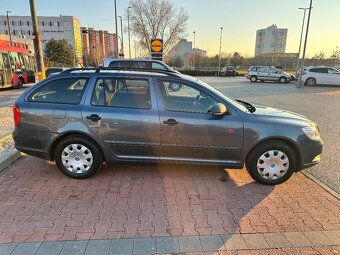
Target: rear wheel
[[310, 82], [271, 163], [253, 78], [21, 82], [78, 157]]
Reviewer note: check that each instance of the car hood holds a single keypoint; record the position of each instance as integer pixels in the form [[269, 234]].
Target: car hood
[[270, 112]]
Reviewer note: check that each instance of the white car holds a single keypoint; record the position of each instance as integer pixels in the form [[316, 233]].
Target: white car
[[320, 75], [267, 73]]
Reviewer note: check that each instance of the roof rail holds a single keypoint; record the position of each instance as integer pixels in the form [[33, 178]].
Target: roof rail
[[97, 70]]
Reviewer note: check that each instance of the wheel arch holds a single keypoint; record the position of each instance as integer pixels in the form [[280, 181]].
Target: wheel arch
[[73, 133], [284, 140]]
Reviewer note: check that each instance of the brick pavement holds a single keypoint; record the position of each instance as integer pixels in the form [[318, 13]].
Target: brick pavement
[[38, 203]]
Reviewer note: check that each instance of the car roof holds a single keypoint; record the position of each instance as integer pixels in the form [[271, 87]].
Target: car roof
[[132, 59]]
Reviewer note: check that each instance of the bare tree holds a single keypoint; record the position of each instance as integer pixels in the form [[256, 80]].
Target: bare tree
[[157, 19]]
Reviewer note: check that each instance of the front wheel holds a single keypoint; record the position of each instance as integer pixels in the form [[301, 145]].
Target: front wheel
[[78, 157], [271, 163], [253, 79], [283, 80]]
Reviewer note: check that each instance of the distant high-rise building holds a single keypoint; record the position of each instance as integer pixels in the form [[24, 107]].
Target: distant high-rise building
[[181, 49], [271, 40], [50, 27]]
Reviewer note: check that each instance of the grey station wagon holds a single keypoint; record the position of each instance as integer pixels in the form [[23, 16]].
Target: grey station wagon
[[81, 118]]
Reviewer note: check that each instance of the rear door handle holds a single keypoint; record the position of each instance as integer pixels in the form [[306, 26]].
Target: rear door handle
[[94, 117], [170, 122]]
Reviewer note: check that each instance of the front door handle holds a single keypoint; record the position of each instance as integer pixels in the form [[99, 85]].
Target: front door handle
[[94, 117], [170, 122]]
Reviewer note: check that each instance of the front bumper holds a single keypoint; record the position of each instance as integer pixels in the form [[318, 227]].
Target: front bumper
[[310, 153]]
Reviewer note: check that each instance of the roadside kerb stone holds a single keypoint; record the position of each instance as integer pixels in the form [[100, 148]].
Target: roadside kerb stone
[[189, 244], [98, 247], [277, 240], [9, 159], [26, 248], [50, 248], [212, 243], [121, 246], [167, 245], [74, 248]]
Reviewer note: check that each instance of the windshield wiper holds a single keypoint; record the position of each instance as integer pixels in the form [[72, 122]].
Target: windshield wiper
[[249, 106]]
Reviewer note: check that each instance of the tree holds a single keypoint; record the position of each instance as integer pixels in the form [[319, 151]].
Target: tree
[[60, 52], [320, 55], [157, 19], [236, 59]]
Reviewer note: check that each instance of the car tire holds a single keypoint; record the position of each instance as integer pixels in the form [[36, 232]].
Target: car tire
[[21, 82], [283, 80], [310, 82], [78, 157], [271, 163], [253, 78], [174, 86]]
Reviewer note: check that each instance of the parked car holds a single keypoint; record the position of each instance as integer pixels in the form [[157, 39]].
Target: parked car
[[267, 73], [84, 117], [54, 70], [320, 75], [137, 64], [228, 71]]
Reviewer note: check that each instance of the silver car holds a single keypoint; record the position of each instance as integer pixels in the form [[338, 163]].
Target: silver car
[[82, 118], [267, 73]]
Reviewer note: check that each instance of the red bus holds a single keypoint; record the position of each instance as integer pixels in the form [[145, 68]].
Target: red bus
[[16, 61]]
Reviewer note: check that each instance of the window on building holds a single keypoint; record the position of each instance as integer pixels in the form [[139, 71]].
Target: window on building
[[27, 23], [43, 23], [5, 23], [14, 32], [29, 32], [58, 23], [50, 23]]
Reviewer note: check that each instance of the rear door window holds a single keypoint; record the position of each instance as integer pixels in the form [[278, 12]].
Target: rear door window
[[60, 91]]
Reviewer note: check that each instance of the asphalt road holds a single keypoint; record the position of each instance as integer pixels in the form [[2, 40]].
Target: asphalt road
[[320, 104]]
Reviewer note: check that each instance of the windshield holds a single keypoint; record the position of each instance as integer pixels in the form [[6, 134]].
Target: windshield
[[219, 93]]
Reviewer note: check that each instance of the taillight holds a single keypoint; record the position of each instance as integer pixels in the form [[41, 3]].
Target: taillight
[[16, 114]]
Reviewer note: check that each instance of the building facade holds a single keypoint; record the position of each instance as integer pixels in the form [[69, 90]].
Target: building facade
[[181, 49], [98, 44], [50, 27], [271, 40]]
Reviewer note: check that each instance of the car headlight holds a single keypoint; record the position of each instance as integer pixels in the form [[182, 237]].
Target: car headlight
[[312, 132]]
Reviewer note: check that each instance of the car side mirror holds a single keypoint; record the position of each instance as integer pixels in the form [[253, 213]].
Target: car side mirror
[[218, 110]]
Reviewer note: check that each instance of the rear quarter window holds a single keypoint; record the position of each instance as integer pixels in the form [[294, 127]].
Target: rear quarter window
[[60, 91]]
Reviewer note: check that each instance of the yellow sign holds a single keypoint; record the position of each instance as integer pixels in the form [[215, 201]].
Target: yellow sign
[[156, 45]]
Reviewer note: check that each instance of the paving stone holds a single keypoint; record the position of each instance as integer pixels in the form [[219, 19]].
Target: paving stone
[[212, 243], [333, 235], [7, 248], [297, 239], [74, 248], [167, 245], [98, 247], [318, 238], [121, 247], [234, 242], [143, 246], [50, 248], [26, 249], [189, 244], [276, 240], [255, 241]]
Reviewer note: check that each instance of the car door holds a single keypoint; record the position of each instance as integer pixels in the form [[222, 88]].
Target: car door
[[333, 76], [273, 74], [122, 112], [189, 132], [320, 74], [262, 73]]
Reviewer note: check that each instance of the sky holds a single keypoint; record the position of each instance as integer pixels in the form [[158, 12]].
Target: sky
[[239, 19]]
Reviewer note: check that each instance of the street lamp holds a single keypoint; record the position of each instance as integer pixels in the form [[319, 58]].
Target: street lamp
[[115, 2], [128, 11], [303, 24], [121, 31], [9, 29], [193, 52], [300, 82], [219, 59]]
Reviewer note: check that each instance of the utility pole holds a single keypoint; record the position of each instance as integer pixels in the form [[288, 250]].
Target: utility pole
[[128, 10], [219, 59], [116, 53], [37, 42], [9, 29], [193, 52], [121, 31], [303, 25], [300, 82]]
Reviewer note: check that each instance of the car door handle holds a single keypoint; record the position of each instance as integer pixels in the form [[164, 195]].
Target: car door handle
[[94, 117], [170, 122]]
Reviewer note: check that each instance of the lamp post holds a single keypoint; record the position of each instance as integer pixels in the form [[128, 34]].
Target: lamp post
[[128, 11], [116, 53], [193, 51], [121, 31], [219, 58], [9, 29], [303, 25], [300, 82]]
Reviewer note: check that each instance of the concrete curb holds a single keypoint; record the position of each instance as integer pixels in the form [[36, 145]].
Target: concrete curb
[[9, 159], [324, 186]]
